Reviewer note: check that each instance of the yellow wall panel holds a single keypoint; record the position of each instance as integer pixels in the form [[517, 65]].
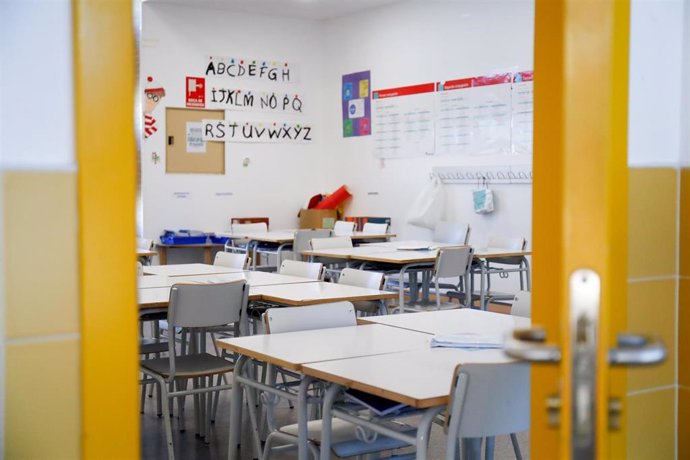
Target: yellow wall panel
[[652, 310], [652, 222], [42, 401], [684, 333], [684, 222], [684, 422], [651, 425], [41, 264]]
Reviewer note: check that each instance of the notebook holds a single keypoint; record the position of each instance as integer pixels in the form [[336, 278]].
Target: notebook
[[467, 340], [379, 405]]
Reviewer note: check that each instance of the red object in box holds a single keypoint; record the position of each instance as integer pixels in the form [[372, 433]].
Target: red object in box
[[334, 199]]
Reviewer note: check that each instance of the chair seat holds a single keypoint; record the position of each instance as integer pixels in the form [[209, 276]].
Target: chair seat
[[189, 365], [341, 431], [150, 346]]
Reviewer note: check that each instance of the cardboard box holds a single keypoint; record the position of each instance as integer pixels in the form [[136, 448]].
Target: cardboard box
[[317, 218]]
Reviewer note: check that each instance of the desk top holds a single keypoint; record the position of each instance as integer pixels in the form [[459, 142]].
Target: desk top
[[187, 269], [420, 378], [391, 253], [321, 292], [253, 278], [141, 252], [291, 350], [452, 321], [288, 236]]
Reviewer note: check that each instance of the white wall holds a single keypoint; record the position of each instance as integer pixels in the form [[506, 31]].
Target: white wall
[[36, 94], [417, 42], [280, 178], [656, 80]]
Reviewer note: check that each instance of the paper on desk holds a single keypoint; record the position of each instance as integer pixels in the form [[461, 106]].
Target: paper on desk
[[467, 340]]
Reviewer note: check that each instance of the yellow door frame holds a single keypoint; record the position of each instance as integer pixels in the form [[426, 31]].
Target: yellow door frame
[[579, 196], [104, 79]]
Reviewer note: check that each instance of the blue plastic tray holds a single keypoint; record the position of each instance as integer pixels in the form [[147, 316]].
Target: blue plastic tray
[[183, 237]]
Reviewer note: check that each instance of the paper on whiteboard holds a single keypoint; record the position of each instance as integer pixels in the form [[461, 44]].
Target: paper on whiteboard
[[403, 126], [474, 116], [523, 113], [194, 137]]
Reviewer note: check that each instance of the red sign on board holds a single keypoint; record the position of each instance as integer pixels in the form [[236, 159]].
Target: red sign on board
[[195, 92]]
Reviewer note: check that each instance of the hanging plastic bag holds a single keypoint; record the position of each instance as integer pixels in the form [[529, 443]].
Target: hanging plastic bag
[[483, 199], [429, 206]]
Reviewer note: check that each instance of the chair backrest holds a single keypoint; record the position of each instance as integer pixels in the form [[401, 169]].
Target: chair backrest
[[206, 305], [311, 270], [372, 228], [506, 242], [302, 238], [144, 243], [140, 269], [231, 259], [323, 316], [343, 228], [452, 262], [451, 232], [488, 400], [522, 306], [258, 227], [361, 278], [331, 243]]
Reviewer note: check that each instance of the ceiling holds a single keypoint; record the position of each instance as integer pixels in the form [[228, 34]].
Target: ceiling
[[310, 9]]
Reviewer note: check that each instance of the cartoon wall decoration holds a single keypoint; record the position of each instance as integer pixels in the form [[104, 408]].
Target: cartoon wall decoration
[[153, 93]]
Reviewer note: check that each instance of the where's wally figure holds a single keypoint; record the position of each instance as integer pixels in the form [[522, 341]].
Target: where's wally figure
[[153, 93]]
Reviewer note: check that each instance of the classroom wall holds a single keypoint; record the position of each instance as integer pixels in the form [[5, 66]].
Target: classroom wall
[[280, 178], [418, 42]]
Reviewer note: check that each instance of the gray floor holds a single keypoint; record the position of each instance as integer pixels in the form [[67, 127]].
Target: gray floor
[[188, 447]]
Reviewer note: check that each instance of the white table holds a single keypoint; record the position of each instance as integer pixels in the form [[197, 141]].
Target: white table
[[321, 292], [293, 350], [252, 278], [421, 260], [419, 378], [294, 294], [187, 269], [452, 321]]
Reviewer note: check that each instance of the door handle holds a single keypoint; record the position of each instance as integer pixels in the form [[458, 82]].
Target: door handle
[[529, 345], [637, 350]]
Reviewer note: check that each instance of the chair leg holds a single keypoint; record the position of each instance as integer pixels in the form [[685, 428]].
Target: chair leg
[[162, 388], [489, 448], [209, 407], [516, 446], [181, 385]]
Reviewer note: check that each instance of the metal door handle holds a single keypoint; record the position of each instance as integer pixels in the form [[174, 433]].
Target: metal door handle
[[637, 350], [529, 345]]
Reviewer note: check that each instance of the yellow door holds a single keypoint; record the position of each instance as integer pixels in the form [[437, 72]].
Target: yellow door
[[580, 231]]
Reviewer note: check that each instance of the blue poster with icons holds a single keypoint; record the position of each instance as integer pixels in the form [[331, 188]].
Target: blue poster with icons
[[356, 102]]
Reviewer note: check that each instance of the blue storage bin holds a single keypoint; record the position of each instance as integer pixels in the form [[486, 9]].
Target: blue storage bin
[[183, 237], [218, 239]]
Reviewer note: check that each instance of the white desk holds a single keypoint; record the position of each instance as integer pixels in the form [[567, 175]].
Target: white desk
[[187, 269], [452, 321], [252, 278], [422, 260], [296, 294], [294, 349], [419, 378], [321, 292]]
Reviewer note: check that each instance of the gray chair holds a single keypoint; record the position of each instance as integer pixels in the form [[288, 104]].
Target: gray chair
[[451, 232], [503, 267], [197, 307], [522, 305], [487, 400], [302, 240], [365, 279], [291, 319], [452, 263]]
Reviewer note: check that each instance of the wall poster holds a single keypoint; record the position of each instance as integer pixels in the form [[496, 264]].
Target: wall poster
[[356, 104], [403, 121]]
